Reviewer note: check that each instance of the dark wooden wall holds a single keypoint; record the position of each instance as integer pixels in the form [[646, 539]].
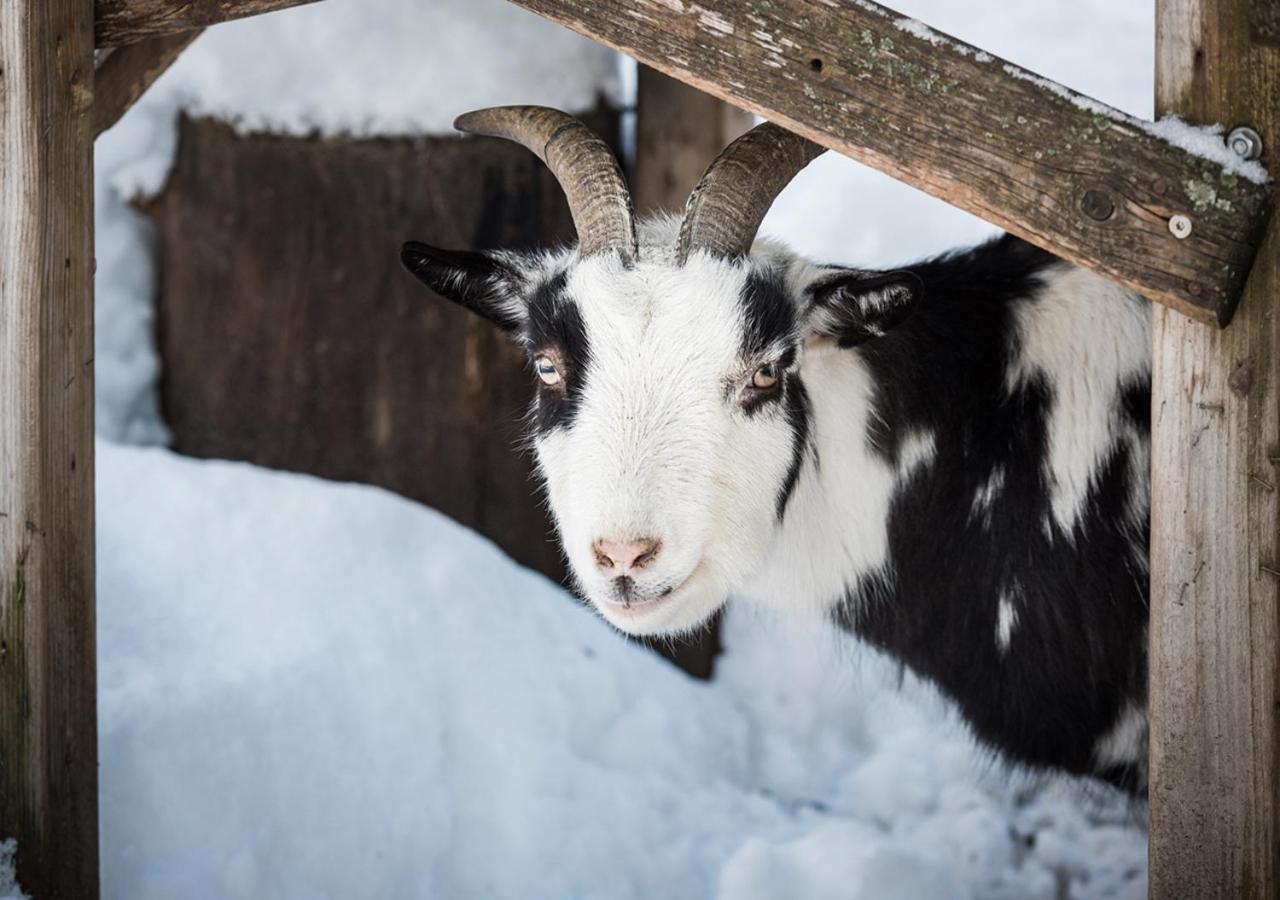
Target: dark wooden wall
[[291, 337]]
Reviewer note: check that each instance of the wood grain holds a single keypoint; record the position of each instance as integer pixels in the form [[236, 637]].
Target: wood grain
[[1215, 520], [127, 72], [48, 734], [122, 22], [961, 125]]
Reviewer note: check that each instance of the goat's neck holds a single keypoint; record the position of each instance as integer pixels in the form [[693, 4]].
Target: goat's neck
[[835, 526]]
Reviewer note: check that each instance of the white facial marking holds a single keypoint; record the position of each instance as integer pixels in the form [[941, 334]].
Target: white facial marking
[[1088, 337], [661, 447]]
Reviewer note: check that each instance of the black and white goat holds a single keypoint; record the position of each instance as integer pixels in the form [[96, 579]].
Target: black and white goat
[[949, 460]]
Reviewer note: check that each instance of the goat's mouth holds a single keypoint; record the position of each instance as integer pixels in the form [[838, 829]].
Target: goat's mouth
[[628, 608]]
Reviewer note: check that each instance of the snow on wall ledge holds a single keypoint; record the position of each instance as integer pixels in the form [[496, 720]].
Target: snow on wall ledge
[[314, 690], [357, 67]]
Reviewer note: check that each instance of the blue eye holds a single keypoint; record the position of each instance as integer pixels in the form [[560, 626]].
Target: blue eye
[[547, 370]]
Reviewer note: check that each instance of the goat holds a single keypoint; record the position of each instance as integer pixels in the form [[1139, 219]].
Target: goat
[[948, 460]]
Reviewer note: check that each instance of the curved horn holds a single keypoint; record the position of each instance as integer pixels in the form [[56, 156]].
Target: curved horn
[[730, 200], [583, 164]]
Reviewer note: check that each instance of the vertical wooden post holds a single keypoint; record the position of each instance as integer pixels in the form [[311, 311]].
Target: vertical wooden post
[[679, 131], [48, 732], [1215, 520]]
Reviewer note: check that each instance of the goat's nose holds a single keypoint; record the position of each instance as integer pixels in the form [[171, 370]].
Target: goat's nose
[[625, 557]]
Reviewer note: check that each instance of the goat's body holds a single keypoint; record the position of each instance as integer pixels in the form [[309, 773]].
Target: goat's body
[[974, 502]]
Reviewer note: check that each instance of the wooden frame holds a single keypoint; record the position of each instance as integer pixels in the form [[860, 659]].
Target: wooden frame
[[1086, 183], [1215, 512], [48, 734], [1065, 172]]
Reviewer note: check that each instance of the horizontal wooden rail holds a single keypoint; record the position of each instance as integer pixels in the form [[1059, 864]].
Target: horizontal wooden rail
[[1084, 181], [127, 72], [119, 22], [1064, 172]]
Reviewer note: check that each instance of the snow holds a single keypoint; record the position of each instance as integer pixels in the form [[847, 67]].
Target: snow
[[321, 690], [361, 67], [9, 887], [1207, 142]]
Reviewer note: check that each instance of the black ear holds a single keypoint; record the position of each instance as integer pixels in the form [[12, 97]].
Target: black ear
[[855, 307], [477, 281]]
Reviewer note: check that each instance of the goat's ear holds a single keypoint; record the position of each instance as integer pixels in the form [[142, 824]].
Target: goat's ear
[[854, 307], [480, 282]]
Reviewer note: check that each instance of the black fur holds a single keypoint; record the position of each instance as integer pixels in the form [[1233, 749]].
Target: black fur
[[474, 280], [555, 324], [1078, 652]]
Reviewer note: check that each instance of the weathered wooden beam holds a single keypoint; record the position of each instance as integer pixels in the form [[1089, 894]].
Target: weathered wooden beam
[[124, 76], [1066, 173], [122, 22], [48, 735], [1215, 516]]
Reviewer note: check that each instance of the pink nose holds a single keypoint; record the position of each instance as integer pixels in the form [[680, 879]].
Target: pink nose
[[625, 557]]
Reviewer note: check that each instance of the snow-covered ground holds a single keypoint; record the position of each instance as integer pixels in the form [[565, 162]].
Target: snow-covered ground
[[319, 690], [313, 690]]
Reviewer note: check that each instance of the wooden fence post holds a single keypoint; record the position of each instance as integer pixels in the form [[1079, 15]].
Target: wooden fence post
[[1215, 520], [48, 733]]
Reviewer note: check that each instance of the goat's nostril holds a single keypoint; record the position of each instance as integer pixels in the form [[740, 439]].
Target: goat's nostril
[[625, 556]]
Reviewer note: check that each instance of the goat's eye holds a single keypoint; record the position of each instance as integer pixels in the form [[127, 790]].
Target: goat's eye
[[547, 371], [765, 377]]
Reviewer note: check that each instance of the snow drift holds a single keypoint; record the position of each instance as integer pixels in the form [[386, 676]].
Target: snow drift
[[317, 690]]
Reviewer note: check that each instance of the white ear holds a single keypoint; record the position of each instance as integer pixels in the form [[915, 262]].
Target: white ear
[[848, 307]]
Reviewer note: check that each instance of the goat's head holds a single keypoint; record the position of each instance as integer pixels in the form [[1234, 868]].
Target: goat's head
[[671, 419]]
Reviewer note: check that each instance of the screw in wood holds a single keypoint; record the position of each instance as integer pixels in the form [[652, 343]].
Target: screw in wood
[[1245, 142], [1097, 206], [1180, 226]]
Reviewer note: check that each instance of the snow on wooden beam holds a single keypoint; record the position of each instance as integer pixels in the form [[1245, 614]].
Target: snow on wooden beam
[[120, 22], [127, 72], [1109, 192]]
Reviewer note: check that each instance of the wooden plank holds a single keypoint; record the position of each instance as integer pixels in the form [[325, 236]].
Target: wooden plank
[[1061, 171], [1215, 519], [679, 131], [127, 72], [122, 22], [48, 736]]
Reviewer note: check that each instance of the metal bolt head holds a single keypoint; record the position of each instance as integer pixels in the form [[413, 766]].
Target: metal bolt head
[[1245, 142], [1180, 226]]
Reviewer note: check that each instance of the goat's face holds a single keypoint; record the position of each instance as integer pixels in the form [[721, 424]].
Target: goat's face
[[670, 417]]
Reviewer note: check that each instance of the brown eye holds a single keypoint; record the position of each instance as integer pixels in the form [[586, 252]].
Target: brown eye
[[766, 377], [547, 371]]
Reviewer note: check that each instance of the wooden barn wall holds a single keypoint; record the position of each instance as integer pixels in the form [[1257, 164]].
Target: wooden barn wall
[[291, 338]]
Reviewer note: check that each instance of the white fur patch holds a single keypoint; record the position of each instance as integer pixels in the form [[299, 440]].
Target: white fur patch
[[1006, 617], [986, 495], [1126, 742], [1088, 337], [918, 449]]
